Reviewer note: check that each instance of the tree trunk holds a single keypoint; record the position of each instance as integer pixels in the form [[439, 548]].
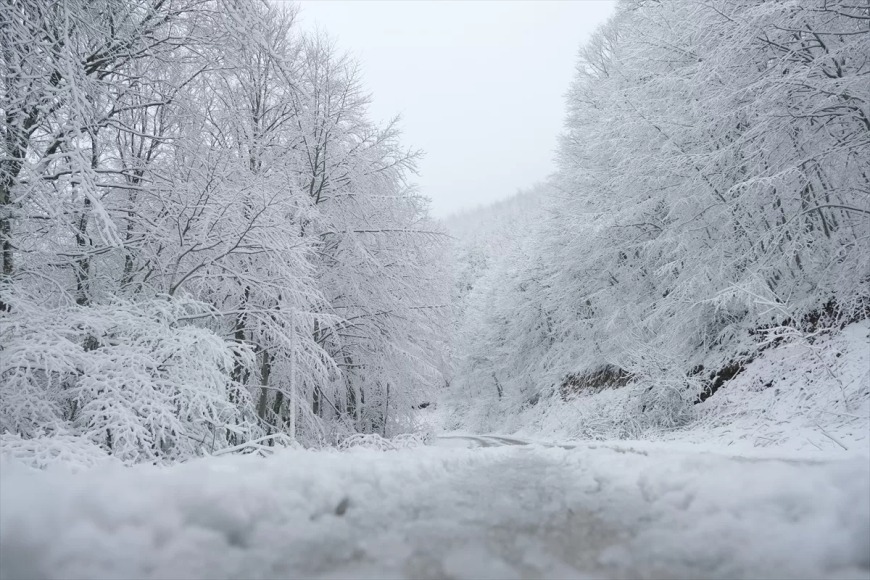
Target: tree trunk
[[265, 372]]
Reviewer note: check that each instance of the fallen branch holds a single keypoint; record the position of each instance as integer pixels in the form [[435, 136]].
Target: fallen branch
[[255, 444], [831, 437]]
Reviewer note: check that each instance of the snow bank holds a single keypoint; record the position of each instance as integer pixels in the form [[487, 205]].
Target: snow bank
[[800, 396], [508, 512], [71, 452], [700, 514]]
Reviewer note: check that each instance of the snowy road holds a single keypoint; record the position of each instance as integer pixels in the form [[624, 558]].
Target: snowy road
[[478, 441], [467, 507]]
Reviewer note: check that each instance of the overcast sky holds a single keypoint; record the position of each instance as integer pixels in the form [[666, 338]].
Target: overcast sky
[[479, 85]]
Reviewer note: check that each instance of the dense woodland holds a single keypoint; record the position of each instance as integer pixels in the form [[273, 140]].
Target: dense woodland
[[712, 198], [207, 243], [205, 239]]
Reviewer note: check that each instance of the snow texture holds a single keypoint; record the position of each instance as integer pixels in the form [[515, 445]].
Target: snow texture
[[800, 397], [488, 511]]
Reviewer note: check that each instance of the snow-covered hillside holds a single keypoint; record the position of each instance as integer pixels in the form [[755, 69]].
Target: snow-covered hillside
[[796, 397], [702, 241], [494, 224]]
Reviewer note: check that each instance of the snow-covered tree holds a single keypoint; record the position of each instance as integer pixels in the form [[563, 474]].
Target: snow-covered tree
[[191, 190], [712, 192]]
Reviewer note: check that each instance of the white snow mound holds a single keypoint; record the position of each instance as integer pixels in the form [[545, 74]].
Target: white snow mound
[[497, 512]]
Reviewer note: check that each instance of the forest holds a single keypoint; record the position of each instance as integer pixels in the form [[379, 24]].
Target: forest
[[236, 342], [712, 201], [206, 242], [208, 245]]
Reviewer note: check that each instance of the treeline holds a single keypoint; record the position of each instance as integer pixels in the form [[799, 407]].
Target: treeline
[[205, 240], [712, 197]]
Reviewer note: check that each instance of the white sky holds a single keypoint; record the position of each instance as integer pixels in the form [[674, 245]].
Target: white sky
[[479, 84]]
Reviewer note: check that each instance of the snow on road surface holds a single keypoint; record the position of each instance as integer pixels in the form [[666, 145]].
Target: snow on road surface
[[468, 507]]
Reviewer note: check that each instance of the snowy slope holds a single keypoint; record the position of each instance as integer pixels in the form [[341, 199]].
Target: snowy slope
[[500, 512], [495, 223], [798, 397]]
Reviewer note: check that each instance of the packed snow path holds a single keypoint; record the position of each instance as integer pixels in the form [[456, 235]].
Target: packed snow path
[[499, 509]]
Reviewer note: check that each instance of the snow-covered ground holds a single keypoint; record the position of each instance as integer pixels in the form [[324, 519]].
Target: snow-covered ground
[[461, 508], [798, 398], [772, 480]]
